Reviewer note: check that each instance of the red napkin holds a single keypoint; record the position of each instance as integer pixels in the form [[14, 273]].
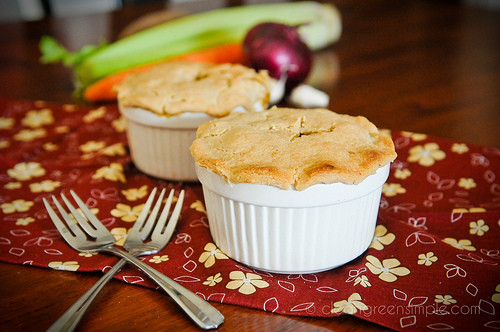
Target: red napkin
[[433, 263]]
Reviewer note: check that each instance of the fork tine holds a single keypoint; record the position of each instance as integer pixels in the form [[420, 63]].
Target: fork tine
[[139, 223], [63, 230], [144, 213], [80, 219], [175, 215], [152, 217], [69, 229], [160, 229], [166, 208], [92, 219]]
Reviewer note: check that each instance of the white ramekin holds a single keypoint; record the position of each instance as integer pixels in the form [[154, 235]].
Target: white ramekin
[[290, 231], [159, 146]]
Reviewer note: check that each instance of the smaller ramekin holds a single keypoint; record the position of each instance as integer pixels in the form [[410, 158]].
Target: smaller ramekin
[[290, 231], [159, 145]]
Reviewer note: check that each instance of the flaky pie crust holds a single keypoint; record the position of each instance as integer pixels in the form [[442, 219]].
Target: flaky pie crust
[[292, 148], [175, 87]]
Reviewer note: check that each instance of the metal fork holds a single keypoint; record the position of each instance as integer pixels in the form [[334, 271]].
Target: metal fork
[[136, 246], [199, 310]]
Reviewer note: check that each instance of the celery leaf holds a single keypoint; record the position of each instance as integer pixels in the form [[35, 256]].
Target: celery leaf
[[53, 52]]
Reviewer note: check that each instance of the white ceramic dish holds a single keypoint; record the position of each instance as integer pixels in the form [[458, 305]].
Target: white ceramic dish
[[289, 231], [159, 146]]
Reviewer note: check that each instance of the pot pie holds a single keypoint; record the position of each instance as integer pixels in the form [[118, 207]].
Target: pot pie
[[164, 106], [292, 191], [292, 148]]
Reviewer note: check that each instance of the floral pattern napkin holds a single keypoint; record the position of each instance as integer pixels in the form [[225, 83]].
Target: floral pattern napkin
[[434, 263]]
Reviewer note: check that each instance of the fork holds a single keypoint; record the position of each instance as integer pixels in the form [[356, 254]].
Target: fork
[[135, 246], [199, 310]]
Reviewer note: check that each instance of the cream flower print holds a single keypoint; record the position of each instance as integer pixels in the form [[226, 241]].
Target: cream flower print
[[17, 205], [92, 146], [444, 299], [94, 114], [246, 283], [113, 172], [381, 238], [133, 194], [69, 108], [213, 280], [392, 189], [65, 266], [4, 143], [159, 259], [462, 244], [198, 206], [363, 281], [120, 235], [26, 171], [426, 155], [126, 212], [478, 227], [414, 136], [27, 135], [388, 270], [496, 296], [49, 146], [114, 150], [62, 129], [459, 148], [402, 173], [210, 254], [467, 183], [38, 118], [13, 185], [44, 186], [88, 254], [6, 123], [427, 259], [119, 124], [349, 306], [24, 221]]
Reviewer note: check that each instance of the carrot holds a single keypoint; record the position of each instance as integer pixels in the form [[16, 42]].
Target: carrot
[[227, 53], [102, 90]]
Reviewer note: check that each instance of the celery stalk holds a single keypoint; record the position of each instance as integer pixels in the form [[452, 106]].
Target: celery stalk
[[320, 26]]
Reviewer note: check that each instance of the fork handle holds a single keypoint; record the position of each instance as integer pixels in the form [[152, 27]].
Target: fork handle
[[199, 310], [69, 320]]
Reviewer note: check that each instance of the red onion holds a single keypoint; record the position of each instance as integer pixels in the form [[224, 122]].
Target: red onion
[[279, 49]]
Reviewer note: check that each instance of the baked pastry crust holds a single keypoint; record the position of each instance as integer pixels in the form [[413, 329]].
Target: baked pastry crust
[[175, 87], [292, 148]]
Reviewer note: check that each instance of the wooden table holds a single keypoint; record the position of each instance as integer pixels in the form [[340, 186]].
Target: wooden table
[[422, 66]]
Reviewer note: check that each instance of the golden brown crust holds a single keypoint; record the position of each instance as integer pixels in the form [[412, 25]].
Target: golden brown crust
[[182, 86], [292, 147]]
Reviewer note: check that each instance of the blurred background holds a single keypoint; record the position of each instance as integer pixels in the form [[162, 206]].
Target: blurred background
[[30, 10]]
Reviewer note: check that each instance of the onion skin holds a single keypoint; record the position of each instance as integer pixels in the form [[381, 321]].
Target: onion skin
[[279, 49]]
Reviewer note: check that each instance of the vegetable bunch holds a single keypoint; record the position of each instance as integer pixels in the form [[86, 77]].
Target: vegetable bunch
[[189, 37]]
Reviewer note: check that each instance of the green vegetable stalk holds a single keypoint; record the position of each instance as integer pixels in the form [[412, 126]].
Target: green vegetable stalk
[[320, 25]]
